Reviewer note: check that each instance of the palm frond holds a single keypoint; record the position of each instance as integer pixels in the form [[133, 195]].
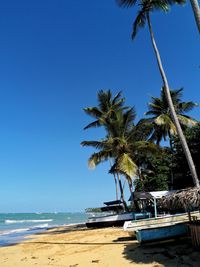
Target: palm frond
[[126, 3], [187, 106], [157, 136], [117, 98], [126, 165], [161, 5], [93, 124], [93, 111], [97, 158], [139, 22], [146, 147], [163, 119], [187, 121], [95, 144]]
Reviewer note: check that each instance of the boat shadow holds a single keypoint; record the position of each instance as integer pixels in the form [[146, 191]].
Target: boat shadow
[[169, 253]]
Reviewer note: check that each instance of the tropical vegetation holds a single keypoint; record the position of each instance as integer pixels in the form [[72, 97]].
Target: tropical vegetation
[[139, 151], [133, 149], [146, 8]]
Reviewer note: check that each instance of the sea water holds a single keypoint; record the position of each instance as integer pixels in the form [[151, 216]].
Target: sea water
[[16, 226]]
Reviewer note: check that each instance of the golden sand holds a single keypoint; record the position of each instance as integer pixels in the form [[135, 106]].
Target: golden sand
[[109, 247]]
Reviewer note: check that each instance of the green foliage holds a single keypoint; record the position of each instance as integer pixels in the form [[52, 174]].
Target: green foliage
[[155, 173], [160, 124], [182, 176]]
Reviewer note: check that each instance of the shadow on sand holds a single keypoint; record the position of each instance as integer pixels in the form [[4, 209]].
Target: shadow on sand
[[64, 229], [171, 253], [118, 241]]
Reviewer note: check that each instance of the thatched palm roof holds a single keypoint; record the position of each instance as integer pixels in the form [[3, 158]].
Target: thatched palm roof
[[187, 199]]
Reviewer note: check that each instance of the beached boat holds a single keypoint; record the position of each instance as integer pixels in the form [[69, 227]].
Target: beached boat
[[132, 226], [115, 216], [161, 232]]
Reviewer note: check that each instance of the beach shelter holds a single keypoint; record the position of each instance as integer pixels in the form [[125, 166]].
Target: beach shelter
[[152, 196], [187, 199]]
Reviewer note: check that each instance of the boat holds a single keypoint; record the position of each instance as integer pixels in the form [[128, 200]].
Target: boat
[[157, 218], [113, 214], [132, 226], [161, 231]]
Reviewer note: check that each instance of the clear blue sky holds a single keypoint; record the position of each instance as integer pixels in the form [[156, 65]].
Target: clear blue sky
[[54, 57]]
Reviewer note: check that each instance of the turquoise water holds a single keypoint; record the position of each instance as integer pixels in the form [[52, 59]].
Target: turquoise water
[[16, 226]]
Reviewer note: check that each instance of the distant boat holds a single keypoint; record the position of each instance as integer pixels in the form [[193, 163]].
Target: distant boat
[[163, 231], [116, 216]]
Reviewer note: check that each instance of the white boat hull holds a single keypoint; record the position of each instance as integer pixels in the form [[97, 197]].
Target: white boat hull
[[110, 220]]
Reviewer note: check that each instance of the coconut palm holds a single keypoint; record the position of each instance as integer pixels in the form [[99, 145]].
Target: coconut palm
[[194, 4], [107, 105], [113, 144], [104, 113], [123, 144], [144, 15], [160, 120], [196, 10]]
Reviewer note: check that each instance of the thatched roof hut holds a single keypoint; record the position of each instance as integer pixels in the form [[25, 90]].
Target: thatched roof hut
[[187, 199]]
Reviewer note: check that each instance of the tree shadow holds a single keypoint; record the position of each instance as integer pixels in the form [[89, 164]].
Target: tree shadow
[[169, 253], [77, 243]]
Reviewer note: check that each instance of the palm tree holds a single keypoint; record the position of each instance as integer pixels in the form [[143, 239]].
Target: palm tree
[[124, 145], [196, 10], [146, 7], [160, 121], [107, 105], [114, 146], [104, 113]]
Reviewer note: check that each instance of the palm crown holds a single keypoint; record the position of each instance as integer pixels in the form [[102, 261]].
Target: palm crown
[[105, 111], [147, 6], [160, 121]]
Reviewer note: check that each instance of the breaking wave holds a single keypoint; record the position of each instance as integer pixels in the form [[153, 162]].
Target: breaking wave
[[27, 221]]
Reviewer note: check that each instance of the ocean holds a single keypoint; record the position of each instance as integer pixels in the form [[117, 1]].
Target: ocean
[[14, 227]]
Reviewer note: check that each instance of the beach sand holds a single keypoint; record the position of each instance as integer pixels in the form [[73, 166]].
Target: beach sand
[[81, 247]]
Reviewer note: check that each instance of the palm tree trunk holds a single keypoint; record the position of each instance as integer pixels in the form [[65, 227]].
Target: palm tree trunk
[[141, 179], [172, 109], [172, 152], [115, 179], [122, 192], [196, 10]]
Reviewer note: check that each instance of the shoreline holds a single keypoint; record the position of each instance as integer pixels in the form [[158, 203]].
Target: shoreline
[[77, 246], [19, 235]]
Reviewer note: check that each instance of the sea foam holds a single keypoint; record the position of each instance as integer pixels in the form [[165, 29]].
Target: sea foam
[[23, 230], [27, 221]]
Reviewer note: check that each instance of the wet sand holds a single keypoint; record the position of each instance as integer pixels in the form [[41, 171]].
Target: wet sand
[[80, 247]]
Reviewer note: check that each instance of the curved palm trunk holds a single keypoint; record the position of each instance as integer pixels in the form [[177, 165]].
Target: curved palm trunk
[[122, 192], [172, 109], [196, 10], [141, 179], [172, 152], [115, 180]]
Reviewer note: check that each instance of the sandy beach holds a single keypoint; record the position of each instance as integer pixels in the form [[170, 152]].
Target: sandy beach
[[78, 246]]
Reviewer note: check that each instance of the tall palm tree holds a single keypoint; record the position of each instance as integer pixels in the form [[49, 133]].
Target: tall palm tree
[[160, 121], [196, 10], [144, 15]]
